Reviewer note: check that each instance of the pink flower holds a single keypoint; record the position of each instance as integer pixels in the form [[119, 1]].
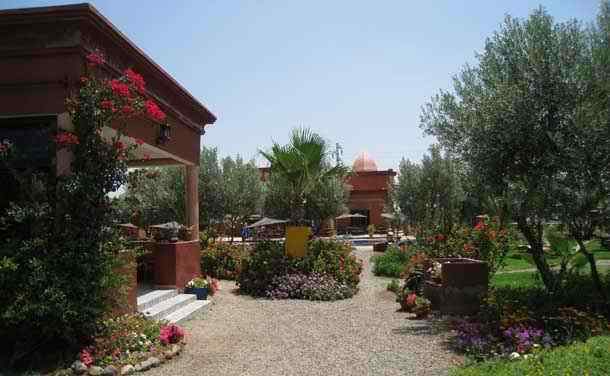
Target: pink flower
[[147, 157], [171, 334], [139, 141], [136, 80], [65, 139], [95, 58], [411, 299], [119, 145], [153, 110], [107, 104], [86, 357]]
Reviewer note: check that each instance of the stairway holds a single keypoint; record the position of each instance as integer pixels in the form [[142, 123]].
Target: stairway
[[171, 306]]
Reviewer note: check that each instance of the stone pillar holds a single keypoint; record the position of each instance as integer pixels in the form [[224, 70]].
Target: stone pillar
[[191, 183]]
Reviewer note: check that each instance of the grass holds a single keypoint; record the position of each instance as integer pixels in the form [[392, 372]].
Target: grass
[[516, 260], [529, 279], [589, 358]]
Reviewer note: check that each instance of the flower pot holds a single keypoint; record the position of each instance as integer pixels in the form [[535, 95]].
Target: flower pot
[[201, 292]]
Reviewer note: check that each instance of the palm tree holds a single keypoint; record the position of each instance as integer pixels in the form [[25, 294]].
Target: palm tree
[[303, 163]]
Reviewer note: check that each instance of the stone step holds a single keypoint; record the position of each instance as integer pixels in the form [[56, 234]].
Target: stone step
[[164, 308], [154, 297], [189, 311]]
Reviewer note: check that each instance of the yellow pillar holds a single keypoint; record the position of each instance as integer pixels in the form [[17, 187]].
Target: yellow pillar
[[191, 183]]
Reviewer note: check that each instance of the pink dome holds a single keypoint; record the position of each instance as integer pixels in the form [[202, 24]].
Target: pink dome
[[364, 162]]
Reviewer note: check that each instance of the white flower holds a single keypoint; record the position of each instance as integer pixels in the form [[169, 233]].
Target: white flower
[[536, 345], [514, 356], [526, 356]]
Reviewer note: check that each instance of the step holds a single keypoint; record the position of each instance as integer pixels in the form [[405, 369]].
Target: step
[[149, 299], [164, 308], [189, 311]]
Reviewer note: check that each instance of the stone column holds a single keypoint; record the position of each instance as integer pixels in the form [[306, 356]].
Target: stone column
[[191, 183]]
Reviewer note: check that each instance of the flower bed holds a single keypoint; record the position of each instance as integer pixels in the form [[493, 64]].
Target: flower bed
[[129, 343], [327, 272]]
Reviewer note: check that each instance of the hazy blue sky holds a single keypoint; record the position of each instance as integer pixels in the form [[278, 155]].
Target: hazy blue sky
[[356, 72]]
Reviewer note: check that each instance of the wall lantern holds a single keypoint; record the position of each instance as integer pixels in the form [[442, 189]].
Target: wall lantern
[[164, 134]]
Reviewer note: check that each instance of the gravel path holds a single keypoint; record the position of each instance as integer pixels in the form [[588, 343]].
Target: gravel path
[[359, 336]]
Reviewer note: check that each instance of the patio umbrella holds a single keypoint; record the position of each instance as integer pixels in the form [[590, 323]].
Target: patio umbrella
[[388, 216], [346, 216], [265, 221]]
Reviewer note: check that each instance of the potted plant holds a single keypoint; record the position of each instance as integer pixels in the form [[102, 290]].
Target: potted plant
[[198, 286]]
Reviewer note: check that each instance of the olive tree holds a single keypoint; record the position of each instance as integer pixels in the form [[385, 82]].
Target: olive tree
[[512, 116]]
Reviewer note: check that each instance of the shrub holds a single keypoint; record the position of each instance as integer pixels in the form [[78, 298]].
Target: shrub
[[129, 339], [393, 286], [391, 263], [266, 262], [333, 259], [327, 272], [312, 286], [222, 260]]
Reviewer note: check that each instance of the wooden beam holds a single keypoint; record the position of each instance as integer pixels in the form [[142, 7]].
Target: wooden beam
[[154, 162]]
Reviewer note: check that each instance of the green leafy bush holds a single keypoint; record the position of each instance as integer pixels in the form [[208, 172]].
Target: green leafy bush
[[392, 263], [266, 262], [222, 260], [331, 258]]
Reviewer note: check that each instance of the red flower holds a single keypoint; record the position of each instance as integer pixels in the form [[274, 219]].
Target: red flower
[[65, 139], [440, 237], [127, 110], [95, 58], [119, 145], [411, 299], [120, 88], [480, 226], [468, 247], [139, 141], [107, 104], [136, 80], [154, 111]]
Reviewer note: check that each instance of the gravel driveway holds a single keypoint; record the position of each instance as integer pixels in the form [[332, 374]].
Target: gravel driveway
[[359, 336]]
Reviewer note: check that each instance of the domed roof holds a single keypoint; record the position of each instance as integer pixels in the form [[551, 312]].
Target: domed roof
[[364, 162]]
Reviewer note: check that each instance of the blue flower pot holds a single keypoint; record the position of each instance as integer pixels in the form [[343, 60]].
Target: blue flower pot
[[201, 292]]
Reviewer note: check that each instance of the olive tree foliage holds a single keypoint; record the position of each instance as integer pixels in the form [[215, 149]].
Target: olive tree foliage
[[242, 191], [518, 117], [429, 194]]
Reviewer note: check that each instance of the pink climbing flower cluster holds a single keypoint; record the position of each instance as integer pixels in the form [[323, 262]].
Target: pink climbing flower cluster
[[171, 334]]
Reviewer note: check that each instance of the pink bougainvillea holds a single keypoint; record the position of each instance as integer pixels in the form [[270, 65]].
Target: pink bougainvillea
[[153, 110], [171, 334], [120, 88], [95, 58], [136, 80]]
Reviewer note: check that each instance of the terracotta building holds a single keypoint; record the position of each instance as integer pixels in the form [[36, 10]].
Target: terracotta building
[[369, 189]]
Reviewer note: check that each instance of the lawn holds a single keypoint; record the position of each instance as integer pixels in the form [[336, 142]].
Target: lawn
[[590, 358], [517, 260], [529, 279]]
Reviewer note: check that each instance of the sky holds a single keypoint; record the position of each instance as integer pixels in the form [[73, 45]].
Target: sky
[[356, 72]]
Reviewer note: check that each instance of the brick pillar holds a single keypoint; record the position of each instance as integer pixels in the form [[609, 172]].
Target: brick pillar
[[191, 183]]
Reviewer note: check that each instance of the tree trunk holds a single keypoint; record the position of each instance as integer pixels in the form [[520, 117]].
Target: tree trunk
[[534, 239], [594, 273]]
